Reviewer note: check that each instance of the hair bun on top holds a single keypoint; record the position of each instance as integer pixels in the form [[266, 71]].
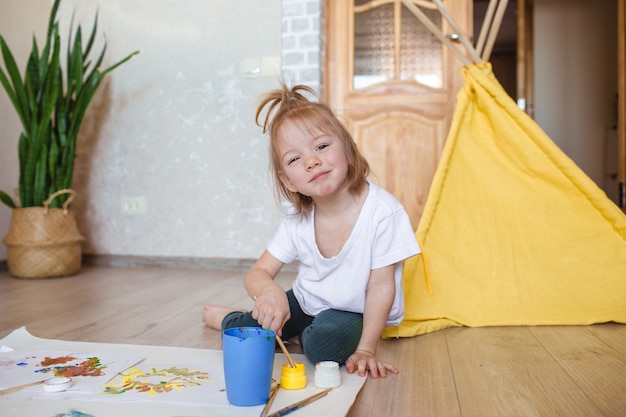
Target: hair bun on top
[[280, 101]]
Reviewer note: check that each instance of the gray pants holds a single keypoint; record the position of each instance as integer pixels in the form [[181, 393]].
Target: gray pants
[[332, 335]]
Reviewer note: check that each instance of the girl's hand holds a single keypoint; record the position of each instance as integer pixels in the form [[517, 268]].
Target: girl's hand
[[362, 361], [271, 310]]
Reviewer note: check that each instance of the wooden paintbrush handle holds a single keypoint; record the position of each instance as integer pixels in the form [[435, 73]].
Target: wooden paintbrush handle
[[20, 387], [285, 351], [283, 347]]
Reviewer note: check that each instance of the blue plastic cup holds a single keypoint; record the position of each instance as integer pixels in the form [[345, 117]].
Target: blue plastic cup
[[248, 364]]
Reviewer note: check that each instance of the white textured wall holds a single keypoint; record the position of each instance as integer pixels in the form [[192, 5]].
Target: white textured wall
[[178, 129], [175, 125]]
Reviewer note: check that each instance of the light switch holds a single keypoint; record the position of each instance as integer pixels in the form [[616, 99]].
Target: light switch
[[250, 68]]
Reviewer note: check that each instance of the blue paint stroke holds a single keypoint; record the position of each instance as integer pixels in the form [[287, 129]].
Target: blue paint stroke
[[73, 413], [47, 370]]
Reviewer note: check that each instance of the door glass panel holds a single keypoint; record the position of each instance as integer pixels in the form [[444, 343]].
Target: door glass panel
[[421, 53], [373, 46]]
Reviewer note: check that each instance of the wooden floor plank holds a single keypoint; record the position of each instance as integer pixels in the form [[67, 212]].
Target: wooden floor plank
[[613, 334], [424, 386], [598, 369], [504, 371]]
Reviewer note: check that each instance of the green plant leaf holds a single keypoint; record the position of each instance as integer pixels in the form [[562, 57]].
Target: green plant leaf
[[114, 66], [23, 151], [53, 16], [75, 67], [92, 36], [50, 88], [32, 82], [53, 159], [13, 84], [41, 191], [6, 199], [27, 171]]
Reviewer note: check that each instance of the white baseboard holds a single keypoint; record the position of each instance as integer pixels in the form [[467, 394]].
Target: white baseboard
[[172, 262]]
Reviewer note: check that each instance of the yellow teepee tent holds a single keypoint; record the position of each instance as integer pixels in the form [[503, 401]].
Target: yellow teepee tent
[[513, 232]]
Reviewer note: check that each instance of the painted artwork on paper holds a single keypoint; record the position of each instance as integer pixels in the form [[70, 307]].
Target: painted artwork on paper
[[116, 377], [89, 371], [155, 381], [184, 383]]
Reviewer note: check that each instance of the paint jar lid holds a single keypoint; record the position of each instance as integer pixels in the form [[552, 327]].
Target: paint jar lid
[[293, 378], [327, 374], [57, 384]]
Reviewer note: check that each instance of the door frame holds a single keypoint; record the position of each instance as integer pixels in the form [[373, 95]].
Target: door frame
[[525, 54], [525, 78], [621, 101]]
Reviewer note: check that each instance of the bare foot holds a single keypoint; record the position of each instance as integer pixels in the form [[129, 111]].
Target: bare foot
[[213, 315]]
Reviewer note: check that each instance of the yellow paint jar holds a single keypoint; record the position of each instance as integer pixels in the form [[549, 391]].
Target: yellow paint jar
[[293, 378]]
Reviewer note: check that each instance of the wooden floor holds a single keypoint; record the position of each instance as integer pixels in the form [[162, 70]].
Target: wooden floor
[[516, 371]]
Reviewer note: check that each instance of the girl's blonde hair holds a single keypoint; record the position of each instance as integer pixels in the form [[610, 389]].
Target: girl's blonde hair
[[285, 104]]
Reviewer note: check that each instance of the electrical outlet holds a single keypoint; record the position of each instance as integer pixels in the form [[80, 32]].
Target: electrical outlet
[[134, 206]]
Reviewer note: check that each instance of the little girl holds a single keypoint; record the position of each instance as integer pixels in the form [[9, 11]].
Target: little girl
[[349, 235]]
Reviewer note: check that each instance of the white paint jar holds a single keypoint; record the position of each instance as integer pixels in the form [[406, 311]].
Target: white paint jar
[[327, 374]]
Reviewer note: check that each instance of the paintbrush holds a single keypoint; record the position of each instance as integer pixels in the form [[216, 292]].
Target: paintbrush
[[266, 409], [20, 387], [296, 406], [286, 352], [283, 347]]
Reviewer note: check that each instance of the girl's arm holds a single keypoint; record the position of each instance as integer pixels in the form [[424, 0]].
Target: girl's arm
[[271, 309], [381, 290]]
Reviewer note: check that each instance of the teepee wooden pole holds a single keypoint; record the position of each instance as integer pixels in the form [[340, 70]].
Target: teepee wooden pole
[[493, 31], [435, 31], [484, 29], [457, 29]]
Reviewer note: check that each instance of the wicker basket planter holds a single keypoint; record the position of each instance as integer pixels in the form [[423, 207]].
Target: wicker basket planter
[[43, 242]]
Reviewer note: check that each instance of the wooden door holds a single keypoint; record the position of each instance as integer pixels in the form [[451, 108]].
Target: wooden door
[[394, 85]]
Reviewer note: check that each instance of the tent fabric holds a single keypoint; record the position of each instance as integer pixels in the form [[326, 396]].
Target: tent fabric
[[513, 232]]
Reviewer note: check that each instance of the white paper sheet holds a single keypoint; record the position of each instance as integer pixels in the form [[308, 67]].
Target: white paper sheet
[[208, 398]]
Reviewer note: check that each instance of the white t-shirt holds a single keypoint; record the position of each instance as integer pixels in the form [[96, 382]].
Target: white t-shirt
[[382, 236]]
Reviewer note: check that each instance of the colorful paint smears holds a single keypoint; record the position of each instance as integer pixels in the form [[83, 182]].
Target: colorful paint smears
[[48, 361], [89, 367], [14, 361], [155, 381], [88, 370]]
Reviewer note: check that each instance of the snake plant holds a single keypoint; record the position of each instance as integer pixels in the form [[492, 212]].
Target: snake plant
[[51, 103]]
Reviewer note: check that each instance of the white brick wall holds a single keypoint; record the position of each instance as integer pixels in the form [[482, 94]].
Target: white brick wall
[[301, 36]]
